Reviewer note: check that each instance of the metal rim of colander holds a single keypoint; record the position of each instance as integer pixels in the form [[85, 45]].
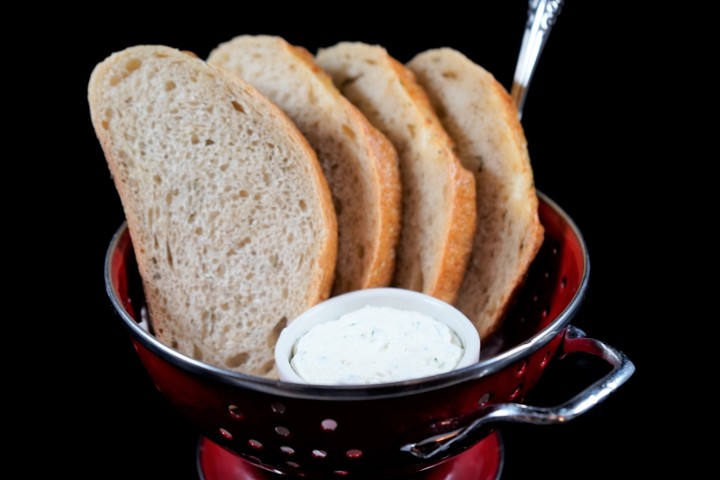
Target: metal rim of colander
[[356, 392]]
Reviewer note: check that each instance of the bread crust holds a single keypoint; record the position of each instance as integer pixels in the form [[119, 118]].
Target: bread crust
[[429, 260], [188, 199], [363, 172], [482, 119]]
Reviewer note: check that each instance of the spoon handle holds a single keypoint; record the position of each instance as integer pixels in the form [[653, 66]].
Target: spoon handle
[[541, 17]]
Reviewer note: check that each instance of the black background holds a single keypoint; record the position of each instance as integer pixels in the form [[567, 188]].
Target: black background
[[586, 155]]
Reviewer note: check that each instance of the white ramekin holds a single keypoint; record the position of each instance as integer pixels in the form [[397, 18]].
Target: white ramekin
[[335, 307]]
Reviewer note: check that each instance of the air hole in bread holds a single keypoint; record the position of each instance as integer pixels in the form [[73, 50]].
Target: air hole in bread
[[267, 367], [170, 85], [348, 81], [243, 194], [105, 125], [238, 107], [275, 261], [174, 344], [114, 80], [275, 333], [197, 352], [370, 61], [133, 64], [194, 139], [348, 131], [479, 163], [209, 141], [450, 74], [411, 129], [199, 231], [237, 360], [169, 255], [302, 204]]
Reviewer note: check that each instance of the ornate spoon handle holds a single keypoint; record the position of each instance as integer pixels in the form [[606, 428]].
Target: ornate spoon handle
[[541, 17]]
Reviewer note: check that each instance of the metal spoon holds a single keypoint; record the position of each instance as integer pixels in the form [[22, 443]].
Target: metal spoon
[[541, 17]]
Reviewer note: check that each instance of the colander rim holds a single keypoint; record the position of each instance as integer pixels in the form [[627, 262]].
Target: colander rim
[[354, 392]]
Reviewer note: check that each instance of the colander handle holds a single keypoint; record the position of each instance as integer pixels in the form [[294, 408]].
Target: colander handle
[[477, 423]]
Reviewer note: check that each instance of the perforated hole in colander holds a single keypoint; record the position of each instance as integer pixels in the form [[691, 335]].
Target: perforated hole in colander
[[545, 359], [235, 412], [282, 431], [328, 425], [354, 453], [516, 393], [317, 453]]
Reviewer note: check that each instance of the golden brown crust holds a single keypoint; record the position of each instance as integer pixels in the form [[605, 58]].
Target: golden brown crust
[[534, 233], [462, 215], [382, 156], [482, 119], [179, 327], [369, 210]]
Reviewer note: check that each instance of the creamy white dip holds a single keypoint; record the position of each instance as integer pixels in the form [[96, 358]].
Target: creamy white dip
[[375, 345]]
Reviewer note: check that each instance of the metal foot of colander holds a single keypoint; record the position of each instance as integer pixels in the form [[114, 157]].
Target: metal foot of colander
[[484, 461]]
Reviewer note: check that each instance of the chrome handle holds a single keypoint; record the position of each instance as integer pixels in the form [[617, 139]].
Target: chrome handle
[[477, 423], [541, 17]]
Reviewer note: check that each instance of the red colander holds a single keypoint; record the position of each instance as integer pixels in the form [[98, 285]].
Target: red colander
[[439, 427]]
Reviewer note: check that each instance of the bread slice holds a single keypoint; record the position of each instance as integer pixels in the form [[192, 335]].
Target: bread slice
[[230, 215], [481, 118], [359, 162], [438, 219]]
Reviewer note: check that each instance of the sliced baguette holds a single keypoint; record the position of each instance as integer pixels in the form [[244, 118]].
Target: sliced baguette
[[359, 162], [483, 122], [438, 219], [230, 215]]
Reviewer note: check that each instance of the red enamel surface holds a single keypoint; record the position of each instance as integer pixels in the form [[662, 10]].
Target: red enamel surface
[[239, 423]]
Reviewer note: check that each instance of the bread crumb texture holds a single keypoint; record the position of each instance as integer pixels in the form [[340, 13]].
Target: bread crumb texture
[[230, 217]]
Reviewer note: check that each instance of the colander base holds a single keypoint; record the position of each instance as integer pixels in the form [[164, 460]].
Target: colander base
[[484, 461]]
